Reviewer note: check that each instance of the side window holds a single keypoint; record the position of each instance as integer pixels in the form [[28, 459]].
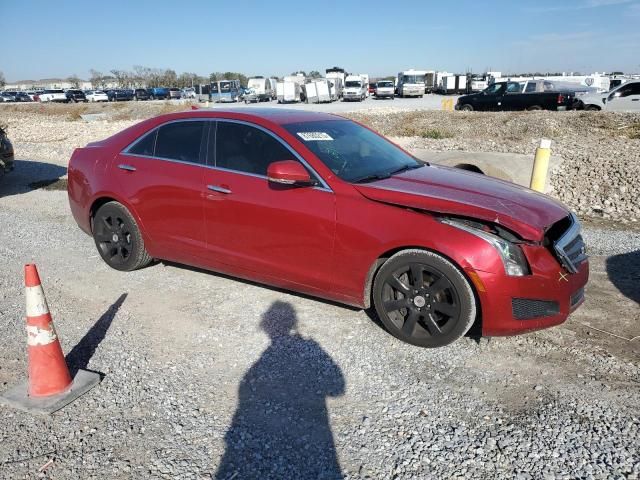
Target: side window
[[513, 87], [626, 90], [247, 149], [531, 87], [180, 141], [635, 89], [145, 145]]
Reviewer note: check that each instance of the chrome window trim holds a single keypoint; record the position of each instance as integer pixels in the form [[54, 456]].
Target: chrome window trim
[[324, 184], [323, 187], [155, 129]]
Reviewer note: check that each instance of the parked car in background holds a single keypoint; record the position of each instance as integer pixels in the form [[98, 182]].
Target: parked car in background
[[53, 95], [503, 96], [321, 205], [625, 97], [372, 88], [158, 93], [116, 95], [354, 88], [97, 96], [6, 153], [34, 95], [75, 96], [189, 93], [8, 96], [141, 94], [23, 97], [250, 95], [175, 93], [385, 89]]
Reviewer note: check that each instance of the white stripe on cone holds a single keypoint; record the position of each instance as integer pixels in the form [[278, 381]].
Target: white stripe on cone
[[36, 302], [40, 336]]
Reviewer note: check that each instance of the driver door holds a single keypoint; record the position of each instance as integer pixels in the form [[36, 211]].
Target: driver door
[[626, 98], [256, 227]]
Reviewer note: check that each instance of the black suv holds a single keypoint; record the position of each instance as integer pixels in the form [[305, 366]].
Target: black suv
[[141, 94], [75, 96], [117, 94]]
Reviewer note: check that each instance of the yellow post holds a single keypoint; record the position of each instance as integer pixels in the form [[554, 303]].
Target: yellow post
[[207, 104], [451, 104], [541, 166], [444, 104]]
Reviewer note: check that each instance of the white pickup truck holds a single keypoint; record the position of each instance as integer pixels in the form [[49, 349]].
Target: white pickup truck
[[354, 88], [53, 95]]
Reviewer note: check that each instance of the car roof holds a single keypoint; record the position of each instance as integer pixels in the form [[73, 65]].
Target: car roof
[[280, 116]]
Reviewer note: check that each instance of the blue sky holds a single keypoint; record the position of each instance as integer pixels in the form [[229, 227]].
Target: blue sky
[[58, 39]]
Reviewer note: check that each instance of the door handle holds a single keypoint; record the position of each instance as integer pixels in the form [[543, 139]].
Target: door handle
[[128, 168], [215, 188], [635, 99]]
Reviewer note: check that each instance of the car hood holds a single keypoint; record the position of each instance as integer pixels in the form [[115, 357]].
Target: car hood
[[453, 191]]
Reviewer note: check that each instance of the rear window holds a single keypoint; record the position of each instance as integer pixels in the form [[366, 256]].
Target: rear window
[[180, 141], [145, 145], [385, 84]]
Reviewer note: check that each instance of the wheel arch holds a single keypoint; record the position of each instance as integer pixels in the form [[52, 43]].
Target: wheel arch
[[382, 258], [101, 200]]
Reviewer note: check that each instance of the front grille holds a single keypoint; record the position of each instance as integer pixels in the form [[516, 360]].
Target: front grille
[[577, 297], [526, 309], [567, 242]]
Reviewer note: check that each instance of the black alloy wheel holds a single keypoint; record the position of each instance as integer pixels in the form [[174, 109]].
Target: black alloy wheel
[[423, 299], [118, 238]]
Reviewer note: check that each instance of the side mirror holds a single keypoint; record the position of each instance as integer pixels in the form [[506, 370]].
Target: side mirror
[[289, 172]]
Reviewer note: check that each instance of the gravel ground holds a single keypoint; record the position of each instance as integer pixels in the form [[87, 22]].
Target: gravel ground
[[210, 377]]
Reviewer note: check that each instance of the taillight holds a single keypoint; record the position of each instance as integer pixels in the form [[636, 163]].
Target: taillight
[[560, 98], [36, 98]]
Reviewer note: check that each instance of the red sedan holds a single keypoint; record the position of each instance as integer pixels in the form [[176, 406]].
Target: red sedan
[[319, 204]]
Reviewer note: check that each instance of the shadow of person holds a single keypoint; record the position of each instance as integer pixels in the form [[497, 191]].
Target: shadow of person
[[281, 426], [624, 272]]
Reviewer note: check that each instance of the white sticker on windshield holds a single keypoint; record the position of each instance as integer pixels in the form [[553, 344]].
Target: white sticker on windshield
[[314, 136]]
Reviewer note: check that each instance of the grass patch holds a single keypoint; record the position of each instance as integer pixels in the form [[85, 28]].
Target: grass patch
[[54, 184], [436, 134]]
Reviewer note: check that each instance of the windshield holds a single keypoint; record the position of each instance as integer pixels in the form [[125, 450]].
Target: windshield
[[385, 84], [354, 153], [353, 84], [413, 79]]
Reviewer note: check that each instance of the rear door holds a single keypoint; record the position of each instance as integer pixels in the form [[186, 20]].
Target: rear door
[[161, 175], [626, 98], [278, 232]]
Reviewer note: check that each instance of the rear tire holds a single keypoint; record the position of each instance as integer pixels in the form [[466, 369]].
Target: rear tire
[[423, 299], [592, 108], [118, 238], [466, 108]]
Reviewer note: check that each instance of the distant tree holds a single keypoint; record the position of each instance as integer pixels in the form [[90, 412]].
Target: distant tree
[[315, 74], [74, 81], [169, 78], [3, 82]]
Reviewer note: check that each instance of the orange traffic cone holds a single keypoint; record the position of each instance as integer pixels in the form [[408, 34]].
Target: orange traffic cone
[[48, 372], [49, 386]]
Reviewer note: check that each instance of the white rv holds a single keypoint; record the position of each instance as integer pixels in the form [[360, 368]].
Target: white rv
[[261, 87], [323, 89], [311, 92], [411, 83]]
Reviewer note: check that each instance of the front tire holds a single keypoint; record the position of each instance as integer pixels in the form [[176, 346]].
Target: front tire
[[118, 238], [423, 299], [466, 108]]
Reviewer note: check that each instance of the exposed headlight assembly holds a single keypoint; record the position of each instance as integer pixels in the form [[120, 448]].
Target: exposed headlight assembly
[[514, 261]]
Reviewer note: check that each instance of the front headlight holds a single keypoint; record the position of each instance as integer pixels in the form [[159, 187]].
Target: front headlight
[[514, 261]]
